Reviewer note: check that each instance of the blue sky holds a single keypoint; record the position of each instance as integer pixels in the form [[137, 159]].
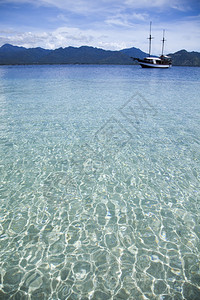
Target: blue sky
[[107, 24]]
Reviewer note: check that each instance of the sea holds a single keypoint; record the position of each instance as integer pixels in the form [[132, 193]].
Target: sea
[[100, 183]]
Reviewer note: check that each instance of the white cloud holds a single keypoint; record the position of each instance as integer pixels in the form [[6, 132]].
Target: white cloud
[[61, 37], [180, 35], [125, 19], [89, 6], [181, 5], [139, 16], [118, 21], [117, 28], [77, 6]]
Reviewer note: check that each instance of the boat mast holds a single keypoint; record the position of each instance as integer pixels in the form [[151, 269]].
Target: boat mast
[[163, 41], [150, 38]]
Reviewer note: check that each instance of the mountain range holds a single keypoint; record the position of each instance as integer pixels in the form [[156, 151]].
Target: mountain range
[[14, 55]]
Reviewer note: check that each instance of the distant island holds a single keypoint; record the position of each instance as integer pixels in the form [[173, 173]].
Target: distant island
[[14, 55]]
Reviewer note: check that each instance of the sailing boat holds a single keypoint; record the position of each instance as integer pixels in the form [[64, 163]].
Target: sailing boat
[[155, 62]]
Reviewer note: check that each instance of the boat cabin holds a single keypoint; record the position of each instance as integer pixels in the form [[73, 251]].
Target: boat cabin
[[158, 61], [153, 60]]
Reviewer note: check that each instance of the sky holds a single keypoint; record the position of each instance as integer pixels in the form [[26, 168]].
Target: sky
[[106, 24]]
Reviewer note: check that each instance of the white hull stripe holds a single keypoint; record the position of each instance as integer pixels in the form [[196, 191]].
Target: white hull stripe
[[154, 65]]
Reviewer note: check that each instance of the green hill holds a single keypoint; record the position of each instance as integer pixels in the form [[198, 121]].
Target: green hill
[[184, 58], [71, 55], [13, 55]]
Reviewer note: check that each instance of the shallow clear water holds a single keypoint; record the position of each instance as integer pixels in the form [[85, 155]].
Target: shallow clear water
[[100, 175]]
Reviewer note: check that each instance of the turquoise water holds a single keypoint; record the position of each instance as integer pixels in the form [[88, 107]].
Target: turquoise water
[[100, 175]]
